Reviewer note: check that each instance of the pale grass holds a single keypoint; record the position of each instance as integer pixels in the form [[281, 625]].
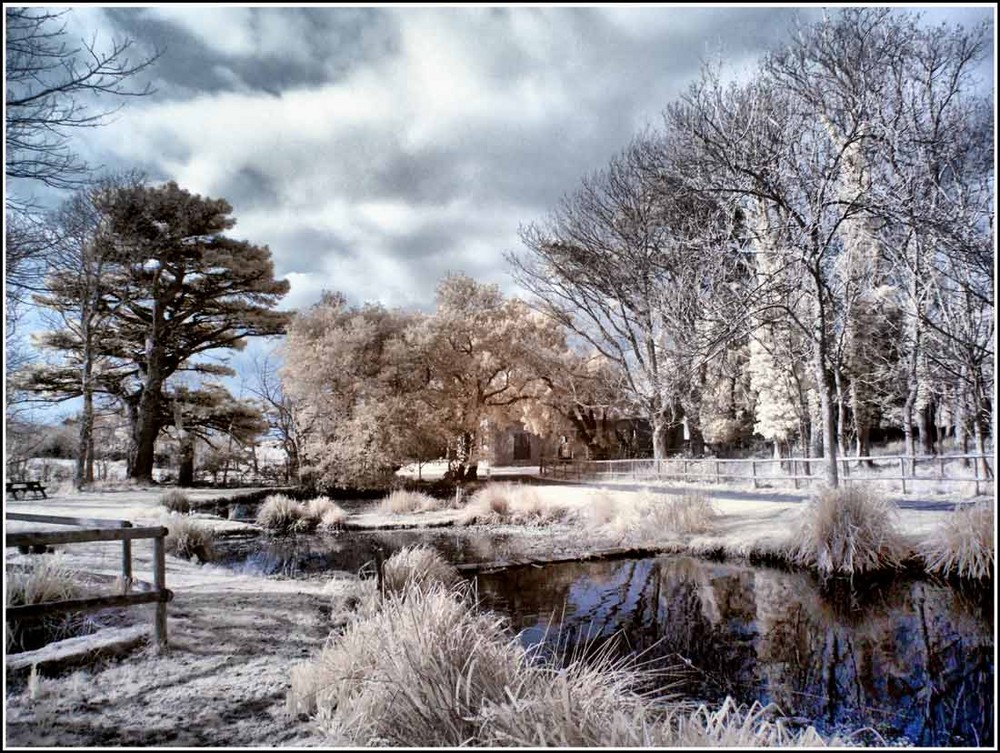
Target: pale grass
[[46, 578], [403, 501], [963, 543], [515, 504], [428, 669], [848, 530], [176, 501], [279, 513], [187, 538], [649, 515], [731, 726], [327, 513], [419, 567]]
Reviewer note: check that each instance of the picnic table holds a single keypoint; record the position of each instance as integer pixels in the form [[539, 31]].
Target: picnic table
[[23, 487]]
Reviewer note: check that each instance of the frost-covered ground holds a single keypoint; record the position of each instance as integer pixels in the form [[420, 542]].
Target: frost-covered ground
[[234, 638]]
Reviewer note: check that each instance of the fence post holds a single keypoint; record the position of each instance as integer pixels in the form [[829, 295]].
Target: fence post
[[976, 466], [160, 581], [795, 475], [753, 472], [717, 471], [941, 467], [902, 473], [126, 561]]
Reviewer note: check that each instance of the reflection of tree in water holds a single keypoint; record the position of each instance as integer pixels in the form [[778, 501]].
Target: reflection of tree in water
[[905, 657]]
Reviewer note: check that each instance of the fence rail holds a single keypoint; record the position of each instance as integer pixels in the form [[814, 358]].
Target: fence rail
[[99, 529], [853, 469]]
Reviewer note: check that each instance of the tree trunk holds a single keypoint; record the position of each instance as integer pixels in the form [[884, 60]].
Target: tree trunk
[[185, 473], [659, 421], [927, 429], [147, 429], [961, 422], [85, 452]]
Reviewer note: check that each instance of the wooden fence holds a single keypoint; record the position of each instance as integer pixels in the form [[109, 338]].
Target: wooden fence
[[98, 529], [760, 470]]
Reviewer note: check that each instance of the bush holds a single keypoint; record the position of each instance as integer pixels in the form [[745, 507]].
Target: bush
[[176, 501], [428, 669], [848, 530], [963, 544], [417, 567], [187, 538]]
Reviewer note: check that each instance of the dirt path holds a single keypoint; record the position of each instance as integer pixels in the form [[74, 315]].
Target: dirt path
[[222, 683]]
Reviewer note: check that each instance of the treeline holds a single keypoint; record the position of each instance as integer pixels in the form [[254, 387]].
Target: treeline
[[370, 388], [805, 254]]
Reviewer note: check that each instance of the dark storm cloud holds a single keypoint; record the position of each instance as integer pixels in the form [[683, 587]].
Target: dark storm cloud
[[329, 46]]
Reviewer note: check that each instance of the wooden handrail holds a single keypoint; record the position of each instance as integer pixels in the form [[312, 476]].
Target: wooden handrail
[[99, 530]]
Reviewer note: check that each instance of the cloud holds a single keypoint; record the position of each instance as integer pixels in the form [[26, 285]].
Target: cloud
[[376, 149]]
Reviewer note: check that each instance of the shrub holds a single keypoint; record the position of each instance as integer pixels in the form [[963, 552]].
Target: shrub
[[188, 538], [847, 530], [429, 669], [404, 501], [176, 501], [417, 567], [963, 544]]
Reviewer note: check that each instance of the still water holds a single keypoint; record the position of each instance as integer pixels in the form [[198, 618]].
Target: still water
[[910, 658]]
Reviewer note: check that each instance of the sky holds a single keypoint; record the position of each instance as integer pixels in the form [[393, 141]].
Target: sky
[[376, 149]]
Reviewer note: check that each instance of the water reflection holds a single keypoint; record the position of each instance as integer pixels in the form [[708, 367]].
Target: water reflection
[[910, 658], [313, 554]]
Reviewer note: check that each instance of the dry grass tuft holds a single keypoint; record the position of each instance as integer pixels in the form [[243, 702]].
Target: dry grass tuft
[[327, 513], [403, 501], [176, 501], [284, 515], [650, 514], [188, 538], [963, 544], [514, 504], [279, 513], [729, 726], [846, 531], [427, 669], [418, 567], [44, 579]]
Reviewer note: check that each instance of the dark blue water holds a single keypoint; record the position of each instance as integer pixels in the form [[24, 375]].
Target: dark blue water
[[910, 658]]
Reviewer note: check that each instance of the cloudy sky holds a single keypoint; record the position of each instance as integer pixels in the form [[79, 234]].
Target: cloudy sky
[[376, 149]]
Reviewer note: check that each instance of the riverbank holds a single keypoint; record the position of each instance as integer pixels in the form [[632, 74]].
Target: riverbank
[[235, 637]]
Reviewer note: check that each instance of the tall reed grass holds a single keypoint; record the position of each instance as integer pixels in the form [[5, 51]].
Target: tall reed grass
[[176, 501], [282, 514], [511, 503], [428, 668], [187, 538], [963, 544], [43, 579], [846, 531], [405, 501]]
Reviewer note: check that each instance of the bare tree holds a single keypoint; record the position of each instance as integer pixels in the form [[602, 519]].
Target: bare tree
[[621, 263], [51, 87]]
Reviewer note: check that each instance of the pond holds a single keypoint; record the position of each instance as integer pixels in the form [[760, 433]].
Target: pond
[[910, 658]]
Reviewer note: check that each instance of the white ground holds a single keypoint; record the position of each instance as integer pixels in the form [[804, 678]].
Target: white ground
[[234, 638]]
